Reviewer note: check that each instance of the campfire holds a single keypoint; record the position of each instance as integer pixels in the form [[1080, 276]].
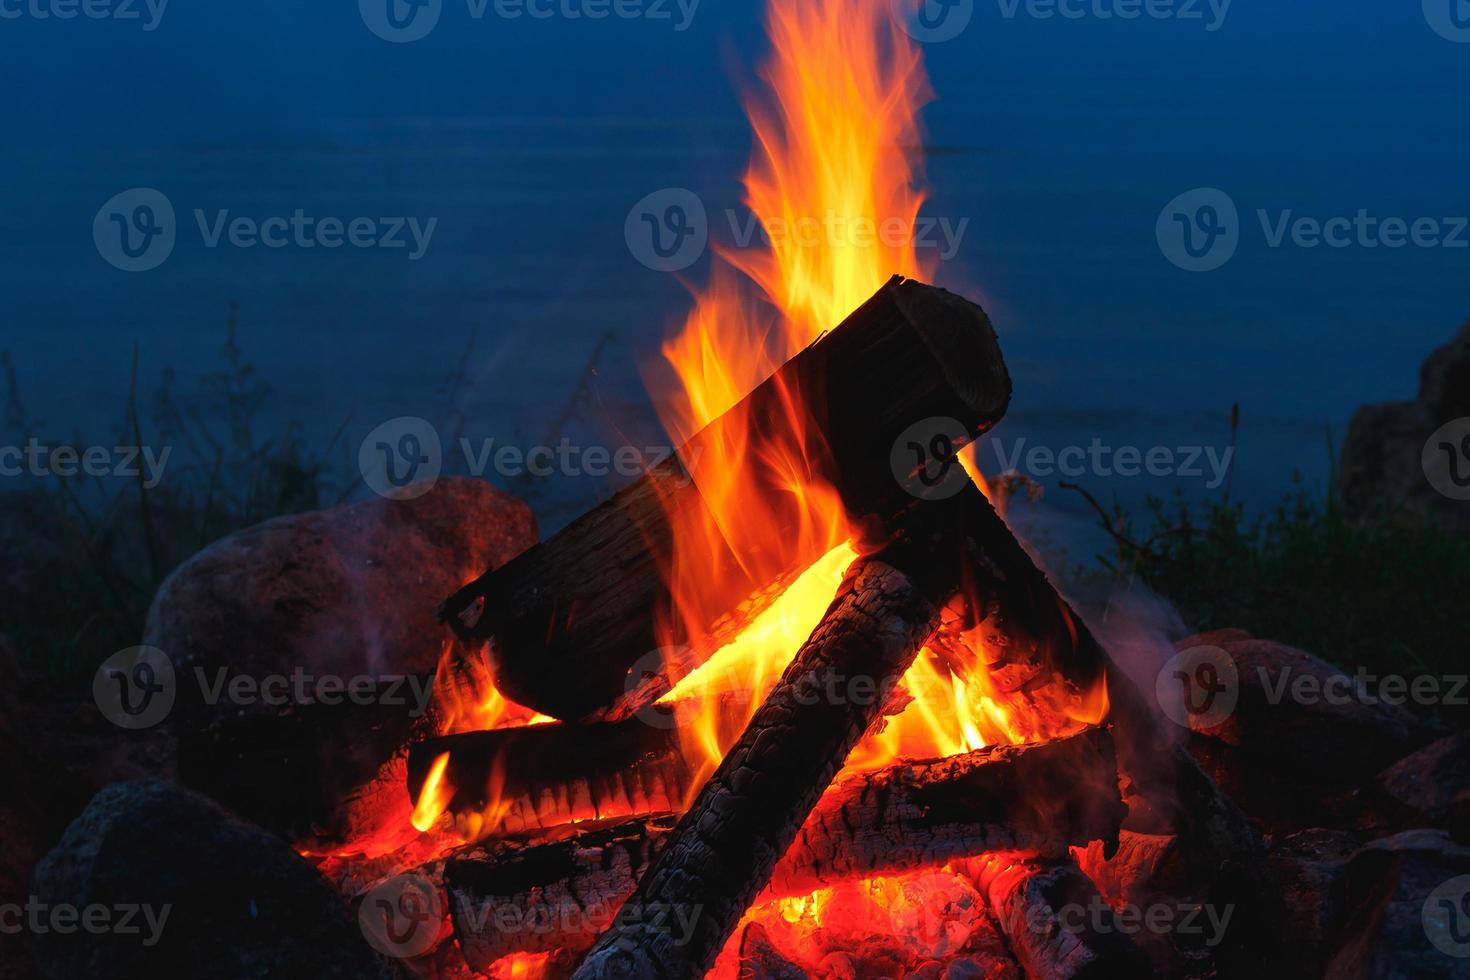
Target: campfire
[[796, 702]]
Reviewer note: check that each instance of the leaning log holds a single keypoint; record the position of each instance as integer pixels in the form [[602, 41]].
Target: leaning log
[[571, 616], [1039, 800], [746, 816]]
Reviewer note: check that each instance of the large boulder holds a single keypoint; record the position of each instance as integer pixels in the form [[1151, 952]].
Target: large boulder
[[1301, 737], [1382, 457], [326, 622], [174, 886], [1426, 783], [1407, 902], [1304, 908]]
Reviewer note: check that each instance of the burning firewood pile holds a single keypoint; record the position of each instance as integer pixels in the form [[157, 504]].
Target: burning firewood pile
[[908, 756], [795, 703], [660, 797]]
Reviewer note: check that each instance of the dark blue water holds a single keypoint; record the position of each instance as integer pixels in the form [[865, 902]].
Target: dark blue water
[[1060, 141]]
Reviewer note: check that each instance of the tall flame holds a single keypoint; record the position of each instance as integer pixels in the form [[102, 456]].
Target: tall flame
[[833, 183]]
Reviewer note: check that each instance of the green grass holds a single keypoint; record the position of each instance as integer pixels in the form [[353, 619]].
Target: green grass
[[85, 557], [1387, 594]]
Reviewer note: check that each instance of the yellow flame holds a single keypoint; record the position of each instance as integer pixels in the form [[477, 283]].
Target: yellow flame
[[434, 797]]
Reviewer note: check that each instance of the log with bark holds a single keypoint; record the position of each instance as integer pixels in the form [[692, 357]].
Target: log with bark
[[571, 616], [1058, 926], [511, 897], [541, 777]]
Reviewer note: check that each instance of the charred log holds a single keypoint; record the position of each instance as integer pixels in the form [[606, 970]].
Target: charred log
[[1058, 926], [544, 776], [570, 617], [1040, 799]]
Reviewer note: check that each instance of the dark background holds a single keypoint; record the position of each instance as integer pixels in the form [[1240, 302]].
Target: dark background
[[529, 140]]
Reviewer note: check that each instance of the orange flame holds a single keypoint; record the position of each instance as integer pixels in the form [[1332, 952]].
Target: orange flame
[[832, 184]]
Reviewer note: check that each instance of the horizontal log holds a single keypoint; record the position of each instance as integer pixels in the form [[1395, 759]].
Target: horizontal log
[[570, 617], [511, 897], [523, 780]]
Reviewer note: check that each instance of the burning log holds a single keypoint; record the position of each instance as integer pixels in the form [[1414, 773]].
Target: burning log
[[725, 848], [570, 617], [543, 776], [599, 772], [1039, 799], [1058, 925]]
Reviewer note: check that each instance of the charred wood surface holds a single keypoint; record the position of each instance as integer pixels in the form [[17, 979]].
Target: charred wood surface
[[1041, 799], [725, 848], [570, 617], [1059, 927], [545, 776]]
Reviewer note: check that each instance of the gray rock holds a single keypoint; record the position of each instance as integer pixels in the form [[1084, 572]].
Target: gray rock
[[1299, 711], [218, 897], [1381, 466], [1408, 914], [344, 593], [1427, 782], [1301, 739], [1444, 381], [1306, 870]]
